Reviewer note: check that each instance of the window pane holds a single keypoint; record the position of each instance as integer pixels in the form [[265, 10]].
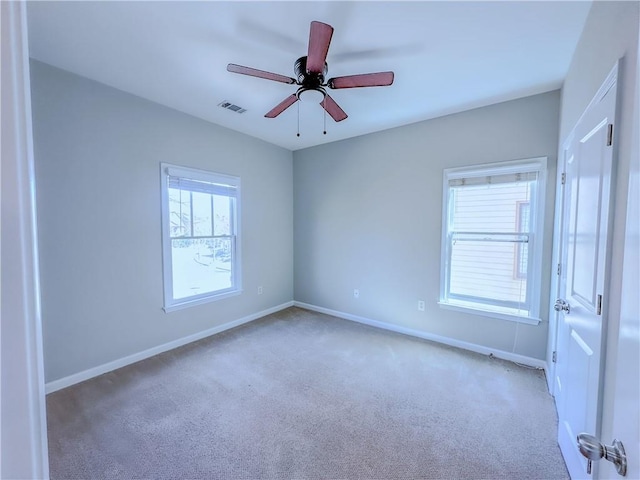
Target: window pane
[[223, 253], [488, 208], [201, 214], [490, 265], [200, 266], [222, 219], [484, 269], [179, 212]]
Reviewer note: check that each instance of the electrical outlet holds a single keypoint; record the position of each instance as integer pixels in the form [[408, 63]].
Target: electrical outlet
[[259, 290], [356, 293], [421, 305]]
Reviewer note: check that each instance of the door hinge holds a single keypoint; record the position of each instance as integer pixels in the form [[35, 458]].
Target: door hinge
[[599, 305], [554, 357], [559, 268], [563, 178], [609, 134]]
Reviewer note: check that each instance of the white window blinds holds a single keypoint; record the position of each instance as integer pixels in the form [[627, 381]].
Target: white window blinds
[[183, 179]]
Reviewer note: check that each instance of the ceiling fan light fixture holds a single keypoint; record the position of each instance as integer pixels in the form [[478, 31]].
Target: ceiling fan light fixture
[[311, 95]]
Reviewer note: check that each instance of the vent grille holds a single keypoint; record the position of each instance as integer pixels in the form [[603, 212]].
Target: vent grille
[[232, 107]]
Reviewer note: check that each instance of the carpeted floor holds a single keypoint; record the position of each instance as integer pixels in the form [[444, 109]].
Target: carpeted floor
[[301, 395]]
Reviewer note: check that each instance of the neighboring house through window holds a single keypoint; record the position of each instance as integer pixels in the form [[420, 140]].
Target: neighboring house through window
[[492, 239], [199, 236]]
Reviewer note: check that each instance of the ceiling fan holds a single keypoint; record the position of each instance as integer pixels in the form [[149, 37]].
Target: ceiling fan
[[311, 71]]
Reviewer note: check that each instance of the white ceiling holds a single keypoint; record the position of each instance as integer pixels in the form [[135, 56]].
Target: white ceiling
[[447, 56]]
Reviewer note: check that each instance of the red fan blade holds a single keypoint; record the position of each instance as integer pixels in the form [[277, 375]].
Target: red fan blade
[[319, 40], [380, 79], [253, 72], [333, 109], [282, 106]]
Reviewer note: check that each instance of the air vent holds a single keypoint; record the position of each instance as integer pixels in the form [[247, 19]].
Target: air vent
[[232, 107]]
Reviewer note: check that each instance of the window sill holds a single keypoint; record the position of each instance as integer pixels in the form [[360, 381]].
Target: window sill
[[489, 313], [200, 301]]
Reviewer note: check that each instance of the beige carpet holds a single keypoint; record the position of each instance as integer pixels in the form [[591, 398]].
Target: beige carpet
[[301, 395]]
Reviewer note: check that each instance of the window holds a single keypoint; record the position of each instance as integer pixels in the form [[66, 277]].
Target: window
[[199, 236], [492, 239]]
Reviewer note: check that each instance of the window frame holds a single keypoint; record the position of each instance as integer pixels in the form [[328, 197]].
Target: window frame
[[171, 303], [535, 238], [519, 251]]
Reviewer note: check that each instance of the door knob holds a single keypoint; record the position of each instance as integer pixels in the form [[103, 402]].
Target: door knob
[[591, 448], [561, 305]]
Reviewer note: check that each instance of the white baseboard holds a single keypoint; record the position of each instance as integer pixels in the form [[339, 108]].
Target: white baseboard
[[136, 357], [61, 383], [513, 357]]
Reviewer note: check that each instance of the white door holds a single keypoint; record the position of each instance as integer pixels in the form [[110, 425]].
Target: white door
[[585, 248], [625, 425], [626, 411]]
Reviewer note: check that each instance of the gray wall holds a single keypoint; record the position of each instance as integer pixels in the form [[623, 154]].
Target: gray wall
[[97, 153], [368, 213], [610, 33]]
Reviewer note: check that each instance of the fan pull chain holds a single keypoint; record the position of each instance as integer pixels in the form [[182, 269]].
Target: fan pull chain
[[298, 119], [325, 121]]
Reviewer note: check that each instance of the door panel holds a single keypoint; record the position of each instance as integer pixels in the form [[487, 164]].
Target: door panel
[[584, 235]]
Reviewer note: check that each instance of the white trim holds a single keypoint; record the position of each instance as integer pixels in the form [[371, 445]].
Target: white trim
[[489, 313], [61, 383], [23, 412], [548, 373], [556, 260], [181, 305], [607, 84], [452, 342]]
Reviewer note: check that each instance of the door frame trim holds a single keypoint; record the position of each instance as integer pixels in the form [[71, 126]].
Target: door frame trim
[[23, 395]]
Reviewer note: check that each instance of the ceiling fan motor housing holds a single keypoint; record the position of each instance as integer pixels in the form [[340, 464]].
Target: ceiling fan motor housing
[[307, 79]]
